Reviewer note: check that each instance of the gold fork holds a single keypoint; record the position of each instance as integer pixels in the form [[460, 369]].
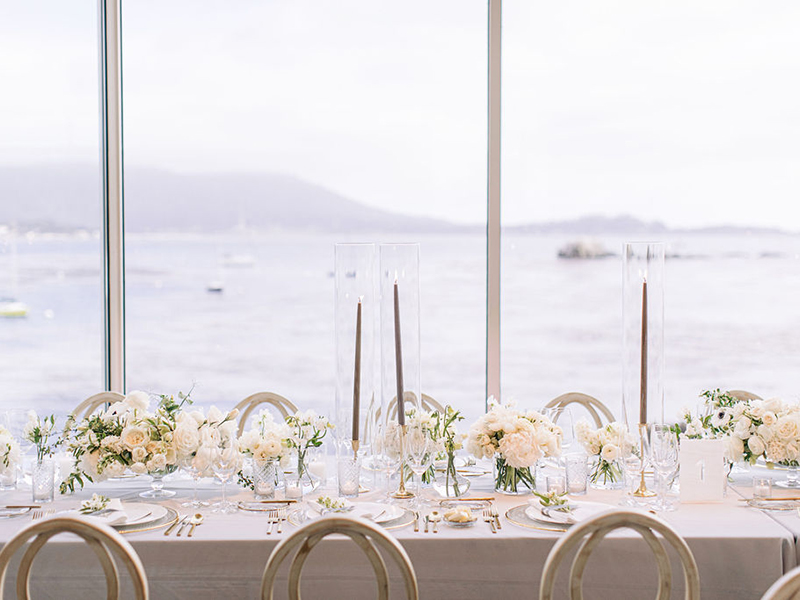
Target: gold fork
[[487, 516], [272, 515], [496, 516], [40, 514], [281, 519]]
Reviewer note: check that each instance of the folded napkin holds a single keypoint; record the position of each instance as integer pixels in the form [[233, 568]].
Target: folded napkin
[[112, 514]]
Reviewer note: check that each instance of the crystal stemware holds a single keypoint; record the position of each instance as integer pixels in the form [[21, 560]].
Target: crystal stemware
[[663, 450], [188, 464], [224, 464], [419, 457]]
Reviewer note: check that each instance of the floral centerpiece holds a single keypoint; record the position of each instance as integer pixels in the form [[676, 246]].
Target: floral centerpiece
[[9, 459], [516, 440], [267, 443], [714, 418], [306, 430], [607, 445], [126, 436]]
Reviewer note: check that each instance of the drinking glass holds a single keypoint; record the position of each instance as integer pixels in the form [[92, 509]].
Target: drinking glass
[[188, 465], [389, 444], [577, 471], [663, 450], [224, 464], [419, 457]]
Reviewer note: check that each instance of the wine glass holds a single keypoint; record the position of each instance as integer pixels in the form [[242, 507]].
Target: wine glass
[[223, 463], [562, 416], [389, 444], [419, 457], [190, 466], [663, 450]]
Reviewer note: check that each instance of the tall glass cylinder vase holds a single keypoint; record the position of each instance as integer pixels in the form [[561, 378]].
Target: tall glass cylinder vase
[[355, 326], [400, 350], [643, 333]]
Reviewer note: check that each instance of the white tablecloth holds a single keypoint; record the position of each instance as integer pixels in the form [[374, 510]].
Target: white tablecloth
[[740, 553]]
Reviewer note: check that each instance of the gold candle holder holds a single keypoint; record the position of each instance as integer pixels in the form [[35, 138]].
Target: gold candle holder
[[355, 444], [642, 491], [402, 493]]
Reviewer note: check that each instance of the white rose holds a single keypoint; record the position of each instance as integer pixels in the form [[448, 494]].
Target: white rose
[[139, 454], [138, 401], [139, 468], [159, 461], [786, 428], [186, 439], [738, 409], [113, 469], [769, 419], [742, 428], [734, 448], [756, 446], [135, 436], [773, 405]]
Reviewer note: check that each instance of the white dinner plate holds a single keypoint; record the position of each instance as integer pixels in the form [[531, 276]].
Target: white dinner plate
[[580, 512], [373, 511]]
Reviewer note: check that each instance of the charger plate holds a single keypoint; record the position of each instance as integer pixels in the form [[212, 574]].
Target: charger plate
[[299, 517], [168, 519], [518, 516]]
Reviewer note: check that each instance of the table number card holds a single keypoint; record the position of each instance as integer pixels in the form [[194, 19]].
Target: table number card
[[702, 467]]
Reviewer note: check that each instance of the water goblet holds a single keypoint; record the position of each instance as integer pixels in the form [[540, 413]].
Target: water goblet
[[224, 464], [663, 450], [190, 466], [419, 457]]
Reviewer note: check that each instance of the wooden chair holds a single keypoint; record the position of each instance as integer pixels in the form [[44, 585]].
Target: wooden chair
[[101, 539], [92, 403], [744, 395], [587, 536], [786, 588], [596, 409], [428, 403], [246, 407], [365, 534]]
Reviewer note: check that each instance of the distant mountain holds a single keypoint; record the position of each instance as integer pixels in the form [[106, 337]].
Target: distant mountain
[[63, 197]]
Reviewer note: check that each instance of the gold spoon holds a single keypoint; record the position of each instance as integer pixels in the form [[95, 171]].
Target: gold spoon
[[196, 520]]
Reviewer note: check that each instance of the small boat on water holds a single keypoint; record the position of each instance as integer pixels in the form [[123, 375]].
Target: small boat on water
[[12, 309], [215, 287], [584, 249]]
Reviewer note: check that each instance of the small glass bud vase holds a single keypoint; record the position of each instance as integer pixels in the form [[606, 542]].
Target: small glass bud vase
[[43, 485], [8, 480], [349, 471], [606, 474], [449, 483], [265, 479]]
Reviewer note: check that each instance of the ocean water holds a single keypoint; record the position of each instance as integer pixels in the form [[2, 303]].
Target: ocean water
[[731, 319]]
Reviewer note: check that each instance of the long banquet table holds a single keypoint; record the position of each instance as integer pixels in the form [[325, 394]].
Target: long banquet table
[[740, 552]]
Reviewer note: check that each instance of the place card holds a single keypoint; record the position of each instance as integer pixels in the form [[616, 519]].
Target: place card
[[702, 474]]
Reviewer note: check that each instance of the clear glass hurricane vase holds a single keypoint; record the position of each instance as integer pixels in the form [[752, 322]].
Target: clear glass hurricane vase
[[513, 480], [43, 473]]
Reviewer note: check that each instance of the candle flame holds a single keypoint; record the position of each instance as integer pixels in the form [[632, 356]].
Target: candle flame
[[360, 298]]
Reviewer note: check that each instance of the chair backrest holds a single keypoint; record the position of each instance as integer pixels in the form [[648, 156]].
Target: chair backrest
[[786, 588], [101, 539], [428, 403], [92, 403], [246, 407], [588, 535], [744, 395], [596, 409], [365, 534]]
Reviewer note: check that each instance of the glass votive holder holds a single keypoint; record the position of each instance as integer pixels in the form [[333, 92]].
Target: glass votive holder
[[43, 473], [577, 469], [265, 479], [349, 471], [762, 488], [556, 484]]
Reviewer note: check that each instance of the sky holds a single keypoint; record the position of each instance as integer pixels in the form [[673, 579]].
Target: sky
[[679, 111]]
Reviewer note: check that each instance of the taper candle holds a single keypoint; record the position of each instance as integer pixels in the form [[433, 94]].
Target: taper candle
[[643, 375], [357, 375], [398, 359]]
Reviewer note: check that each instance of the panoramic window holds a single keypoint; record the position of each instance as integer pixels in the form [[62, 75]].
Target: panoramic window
[[622, 123], [51, 287], [255, 139]]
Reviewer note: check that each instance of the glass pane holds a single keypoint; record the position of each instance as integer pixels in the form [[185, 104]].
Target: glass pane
[[256, 138], [51, 286], [675, 123]]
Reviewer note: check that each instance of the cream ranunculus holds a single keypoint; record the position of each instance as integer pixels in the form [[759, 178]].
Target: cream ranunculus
[[134, 436], [610, 452]]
